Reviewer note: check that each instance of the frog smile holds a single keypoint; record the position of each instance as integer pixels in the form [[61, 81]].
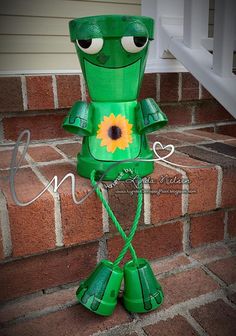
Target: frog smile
[[113, 83]]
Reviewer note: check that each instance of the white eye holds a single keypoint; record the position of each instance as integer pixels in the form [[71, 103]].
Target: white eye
[[90, 46], [134, 44]]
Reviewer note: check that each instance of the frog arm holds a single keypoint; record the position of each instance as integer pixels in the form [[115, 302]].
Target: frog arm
[[150, 117], [78, 120]]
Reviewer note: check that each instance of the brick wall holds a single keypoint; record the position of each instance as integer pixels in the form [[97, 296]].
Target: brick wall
[[39, 103], [53, 241]]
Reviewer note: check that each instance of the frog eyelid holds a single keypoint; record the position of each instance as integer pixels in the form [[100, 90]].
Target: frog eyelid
[[90, 46], [134, 44]]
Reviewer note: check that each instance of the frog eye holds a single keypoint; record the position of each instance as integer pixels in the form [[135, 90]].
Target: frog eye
[[90, 46], [134, 44]]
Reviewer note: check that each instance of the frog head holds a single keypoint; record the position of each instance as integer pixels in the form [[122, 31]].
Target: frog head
[[112, 50]]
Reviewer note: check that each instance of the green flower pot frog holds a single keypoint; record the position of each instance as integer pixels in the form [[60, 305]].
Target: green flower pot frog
[[112, 50]]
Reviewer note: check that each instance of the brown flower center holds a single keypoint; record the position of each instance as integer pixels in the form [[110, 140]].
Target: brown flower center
[[114, 132]]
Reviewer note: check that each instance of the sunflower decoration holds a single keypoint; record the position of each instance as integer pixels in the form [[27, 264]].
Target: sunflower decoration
[[115, 132]]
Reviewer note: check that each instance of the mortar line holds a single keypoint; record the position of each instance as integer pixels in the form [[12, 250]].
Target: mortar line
[[59, 151], [5, 226], [186, 235], [102, 252], [82, 87], [196, 326], [147, 203], [56, 199], [24, 93], [54, 89], [219, 186], [199, 91], [105, 216]]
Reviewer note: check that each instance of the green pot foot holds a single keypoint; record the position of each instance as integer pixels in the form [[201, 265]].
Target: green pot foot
[[99, 291], [142, 293]]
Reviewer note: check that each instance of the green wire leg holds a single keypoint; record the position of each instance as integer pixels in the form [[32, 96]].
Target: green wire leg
[[128, 240]]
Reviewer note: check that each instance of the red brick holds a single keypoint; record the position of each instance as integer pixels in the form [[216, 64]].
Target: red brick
[[227, 129], [232, 223], [6, 156], [203, 182], [216, 318], [148, 89], [229, 193], [70, 149], [221, 148], [178, 114], [228, 167], [166, 195], [207, 228], [225, 269], [41, 127], [164, 140], [190, 87], [10, 94], [166, 265], [72, 321], [32, 226], [68, 90], [211, 111], [211, 252], [176, 326], [169, 87], [206, 94], [209, 135], [16, 309], [80, 222], [123, 200], [39, 92], [151, 243], [43, 153], [182, 136], [186, 285], [28, 275]]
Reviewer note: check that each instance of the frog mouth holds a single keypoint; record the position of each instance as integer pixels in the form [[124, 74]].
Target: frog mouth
[[113, 83]]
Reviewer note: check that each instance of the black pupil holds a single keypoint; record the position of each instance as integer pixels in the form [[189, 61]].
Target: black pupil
[[114, 132], [85, 43], [139, 41]]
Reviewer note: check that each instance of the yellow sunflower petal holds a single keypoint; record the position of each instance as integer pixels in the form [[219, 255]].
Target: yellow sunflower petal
[[126, 132]]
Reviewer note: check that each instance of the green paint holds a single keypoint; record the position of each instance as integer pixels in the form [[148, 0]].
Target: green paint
[[112, 50]]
